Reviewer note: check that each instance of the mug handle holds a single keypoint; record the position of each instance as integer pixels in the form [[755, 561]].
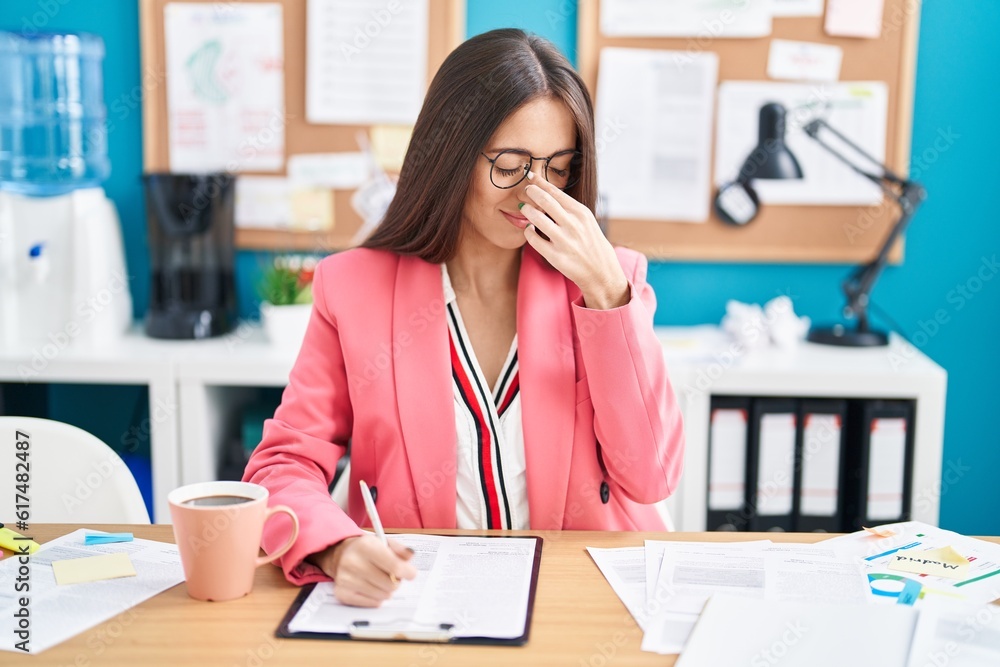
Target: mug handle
[[271, 511]]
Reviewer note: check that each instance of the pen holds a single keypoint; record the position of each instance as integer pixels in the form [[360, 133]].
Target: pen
[[366, 495]]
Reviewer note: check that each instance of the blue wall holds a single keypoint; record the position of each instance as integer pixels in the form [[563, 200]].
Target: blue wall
[[957, 85]]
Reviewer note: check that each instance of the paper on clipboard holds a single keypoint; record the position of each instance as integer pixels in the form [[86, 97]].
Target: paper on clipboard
[[478, 587], [859, 110], [708, 19], [654, 129]]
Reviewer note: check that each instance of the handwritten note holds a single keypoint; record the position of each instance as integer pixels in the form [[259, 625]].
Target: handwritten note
[[94, 568], [943, 562], [804, 61]]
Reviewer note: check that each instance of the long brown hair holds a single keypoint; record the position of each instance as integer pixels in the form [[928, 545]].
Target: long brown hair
[[480, 84]]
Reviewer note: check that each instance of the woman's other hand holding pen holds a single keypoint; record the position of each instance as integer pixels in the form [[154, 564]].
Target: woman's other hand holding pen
[[363, 569]]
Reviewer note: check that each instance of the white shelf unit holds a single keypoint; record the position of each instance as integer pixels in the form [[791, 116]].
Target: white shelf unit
[[702, 364], [133, 360], [208, 381]]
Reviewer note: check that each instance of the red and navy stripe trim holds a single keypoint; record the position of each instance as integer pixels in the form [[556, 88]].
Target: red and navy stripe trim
[[478, 401]]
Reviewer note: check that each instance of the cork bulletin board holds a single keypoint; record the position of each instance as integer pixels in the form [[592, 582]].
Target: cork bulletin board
[[446, 29], [803, 234]]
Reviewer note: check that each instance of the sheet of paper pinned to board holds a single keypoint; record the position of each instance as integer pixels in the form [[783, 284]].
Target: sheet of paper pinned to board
[[366, 61], [797, 7], [859, 110], [654, 133], [854, 18], [335, 171], [686, 18], [803, 61], [225, 86], [263, 202]]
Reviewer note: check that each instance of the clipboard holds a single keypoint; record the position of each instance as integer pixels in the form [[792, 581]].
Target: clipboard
[[410, 631]]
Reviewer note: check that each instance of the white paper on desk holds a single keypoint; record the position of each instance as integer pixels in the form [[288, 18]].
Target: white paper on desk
[[481, 585], [225, 86], [743, 631], [686, 18], [263, 202], [366, 61], [787, 572], [60, 612], [669, 621], [858, 110], [804, 61], [797, 7], [333, 171], [654, 129], [854, 18], [981, 584], [625, 570], [958, 635]]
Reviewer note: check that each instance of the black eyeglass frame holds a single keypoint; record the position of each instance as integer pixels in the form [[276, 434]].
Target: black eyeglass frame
[[574, 177]]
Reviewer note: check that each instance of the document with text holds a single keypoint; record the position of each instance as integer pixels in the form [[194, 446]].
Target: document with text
[[467, 588], [55, 613]]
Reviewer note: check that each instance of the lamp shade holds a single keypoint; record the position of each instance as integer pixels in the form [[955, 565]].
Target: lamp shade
[[771, 158]]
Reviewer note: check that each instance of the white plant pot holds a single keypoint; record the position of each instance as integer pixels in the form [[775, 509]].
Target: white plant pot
[[285, 326]]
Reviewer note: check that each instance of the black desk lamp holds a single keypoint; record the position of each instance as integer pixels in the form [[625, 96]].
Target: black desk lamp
[[737, 203]]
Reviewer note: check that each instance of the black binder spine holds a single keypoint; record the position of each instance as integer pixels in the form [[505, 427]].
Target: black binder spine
[[868, 467], [820, 465], [721, 514], [771, 464]]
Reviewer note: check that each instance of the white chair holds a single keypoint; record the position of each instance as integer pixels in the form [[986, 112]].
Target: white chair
[[70, 475]]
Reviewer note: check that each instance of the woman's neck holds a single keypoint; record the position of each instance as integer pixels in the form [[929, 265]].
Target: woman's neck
[[479, 271]]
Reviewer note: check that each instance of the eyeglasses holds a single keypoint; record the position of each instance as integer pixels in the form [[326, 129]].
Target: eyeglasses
[[511, 166]]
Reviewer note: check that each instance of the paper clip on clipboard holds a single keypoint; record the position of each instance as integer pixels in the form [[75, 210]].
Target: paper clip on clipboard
[[437, 632]]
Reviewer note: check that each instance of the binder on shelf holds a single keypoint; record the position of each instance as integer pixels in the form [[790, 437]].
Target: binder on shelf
[[727, 463], [880, 463], [771, 464], [820, 465]]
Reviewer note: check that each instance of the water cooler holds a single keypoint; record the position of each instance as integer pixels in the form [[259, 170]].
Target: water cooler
[[63, 279]]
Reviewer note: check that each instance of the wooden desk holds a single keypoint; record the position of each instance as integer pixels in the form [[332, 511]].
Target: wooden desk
[[578, 620]]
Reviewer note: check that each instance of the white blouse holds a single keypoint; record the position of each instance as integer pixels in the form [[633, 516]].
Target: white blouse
[[492, 489]]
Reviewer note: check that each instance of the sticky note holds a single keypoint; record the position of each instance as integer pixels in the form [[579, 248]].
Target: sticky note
[[881, 532], [389, 144], [943, 562], [93, 568], [107, 538], [312, 209]]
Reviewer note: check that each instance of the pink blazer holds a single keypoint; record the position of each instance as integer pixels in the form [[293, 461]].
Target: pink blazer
[[603, 436]]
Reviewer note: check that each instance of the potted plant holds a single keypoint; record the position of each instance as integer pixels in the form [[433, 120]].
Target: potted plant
[[286, 299]]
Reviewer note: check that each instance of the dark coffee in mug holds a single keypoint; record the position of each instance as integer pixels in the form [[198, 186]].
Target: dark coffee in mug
[[216, 501]]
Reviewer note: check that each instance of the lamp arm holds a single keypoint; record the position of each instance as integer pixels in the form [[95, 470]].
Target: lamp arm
[[859, 284], [907, 194]]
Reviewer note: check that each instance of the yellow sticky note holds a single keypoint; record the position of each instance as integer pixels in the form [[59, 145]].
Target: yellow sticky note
[[943, 562], [312, 209], [93, 568], [389, 143]]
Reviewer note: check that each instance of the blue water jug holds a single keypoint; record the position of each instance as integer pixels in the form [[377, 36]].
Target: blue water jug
[[53, 136]]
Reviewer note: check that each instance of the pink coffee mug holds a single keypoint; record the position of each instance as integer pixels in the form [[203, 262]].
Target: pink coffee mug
[[217, 527]]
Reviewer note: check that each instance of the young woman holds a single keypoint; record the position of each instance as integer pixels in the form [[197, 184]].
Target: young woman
[[487, 353]]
